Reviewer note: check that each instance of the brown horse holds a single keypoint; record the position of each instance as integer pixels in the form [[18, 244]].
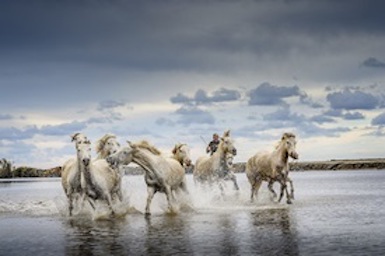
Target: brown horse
[[273, 167]]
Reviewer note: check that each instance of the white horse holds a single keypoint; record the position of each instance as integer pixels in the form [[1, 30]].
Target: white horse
[[181, 153], [98, 180], [70, 174], [273, 167], [106, 146], [162, 174], [215, 168]]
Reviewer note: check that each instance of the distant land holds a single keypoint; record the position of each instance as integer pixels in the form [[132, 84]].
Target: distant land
[[6, 171]]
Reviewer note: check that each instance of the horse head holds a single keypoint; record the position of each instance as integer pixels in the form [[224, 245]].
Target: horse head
[[107, 145], [227, 144], [290, 143], [79, 138], [123, 156], [182, 153], [83, 152]]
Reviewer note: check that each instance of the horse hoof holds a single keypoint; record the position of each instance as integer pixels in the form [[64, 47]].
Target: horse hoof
[[288, 202], [147, 214]]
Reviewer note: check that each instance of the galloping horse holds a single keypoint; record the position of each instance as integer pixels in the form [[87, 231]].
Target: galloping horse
[[162, 174], [98, 180], [70, 175], [273, 167], [215, 168]]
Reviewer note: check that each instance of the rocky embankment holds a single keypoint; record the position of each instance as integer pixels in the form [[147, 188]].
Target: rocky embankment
[[6, 171], [335, 164]]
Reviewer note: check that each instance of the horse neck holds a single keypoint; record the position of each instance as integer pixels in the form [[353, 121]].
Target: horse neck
[[177, 157], [281, 153], [145, 159], [102, 154], [85, 172]]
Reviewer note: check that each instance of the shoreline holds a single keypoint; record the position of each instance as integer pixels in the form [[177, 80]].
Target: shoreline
[[328, 165]]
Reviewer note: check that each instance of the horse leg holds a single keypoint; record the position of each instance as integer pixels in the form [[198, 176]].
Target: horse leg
[[70, 203], [283, 188], [169, 196], [254, 189], [270, 186], [109, 203], [233, 178], [291, 188], [151, 192]]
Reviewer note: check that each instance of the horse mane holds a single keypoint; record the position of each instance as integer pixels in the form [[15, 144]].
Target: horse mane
[[102, 141], [177, 146], [284, 137], [145, 145]]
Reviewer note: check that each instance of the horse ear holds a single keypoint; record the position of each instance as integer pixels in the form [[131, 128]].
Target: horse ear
[[226, 133], [174, 149], [130, 144], [73, 136]]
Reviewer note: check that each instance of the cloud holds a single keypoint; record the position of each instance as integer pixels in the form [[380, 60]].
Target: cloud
[[373, 63], [194, 115], [110, 104], [320, 119], [201, 97], [165, 122], [6, 117], [14, 134], [379, 120], [267, 94], [284, 114], [62, 129], [353, 116], [306, 100], [349, 100]]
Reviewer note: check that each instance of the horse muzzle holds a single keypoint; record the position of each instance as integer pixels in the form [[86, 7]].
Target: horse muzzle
[[294, 155], [234, 152], [187, 162], [86, 161]]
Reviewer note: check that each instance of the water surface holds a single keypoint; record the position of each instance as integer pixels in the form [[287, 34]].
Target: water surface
[[334, 213]]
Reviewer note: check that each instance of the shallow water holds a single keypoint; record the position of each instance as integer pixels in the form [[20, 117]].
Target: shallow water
[[334, 213]]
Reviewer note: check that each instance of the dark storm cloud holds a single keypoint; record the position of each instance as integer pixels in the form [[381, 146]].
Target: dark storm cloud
[[267, 94], [168, 34], [379, 120], [373, 63], [350, 100], [202, 97]]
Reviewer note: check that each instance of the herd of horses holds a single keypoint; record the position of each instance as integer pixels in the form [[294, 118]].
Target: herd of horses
[[87, 180]]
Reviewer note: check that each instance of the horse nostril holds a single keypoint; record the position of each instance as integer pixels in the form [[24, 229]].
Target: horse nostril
[[86, 161]]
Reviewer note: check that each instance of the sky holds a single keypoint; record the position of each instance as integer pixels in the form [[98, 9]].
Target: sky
[[178, 71]]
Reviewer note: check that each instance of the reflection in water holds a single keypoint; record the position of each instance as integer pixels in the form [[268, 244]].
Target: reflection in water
[[88, 237], [274, 232], [167, 235]]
